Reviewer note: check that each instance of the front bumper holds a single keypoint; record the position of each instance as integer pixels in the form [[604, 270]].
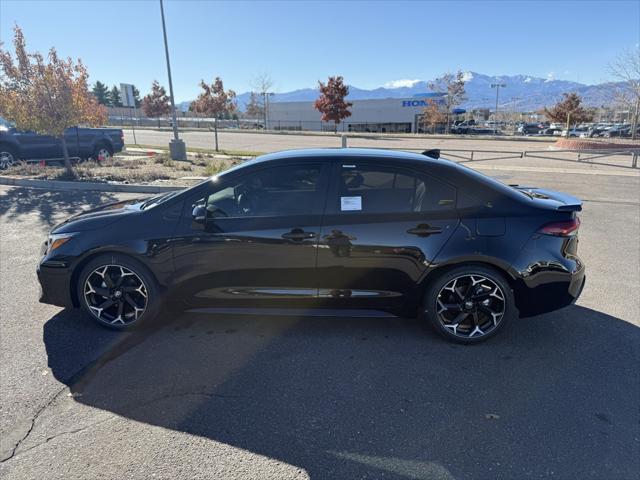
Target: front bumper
[[55, 285]]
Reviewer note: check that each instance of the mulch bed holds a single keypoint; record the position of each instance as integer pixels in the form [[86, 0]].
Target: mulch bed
[[590, 144]]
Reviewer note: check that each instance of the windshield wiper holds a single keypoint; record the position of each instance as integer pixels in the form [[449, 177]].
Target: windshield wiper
[[157, 199]]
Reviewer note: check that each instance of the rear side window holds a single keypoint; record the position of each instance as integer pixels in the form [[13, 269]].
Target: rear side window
[[381, 189]]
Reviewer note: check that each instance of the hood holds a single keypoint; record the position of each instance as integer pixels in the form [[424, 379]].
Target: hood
[[99, 217]]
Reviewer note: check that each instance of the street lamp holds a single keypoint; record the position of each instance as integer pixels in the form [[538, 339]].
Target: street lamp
[[177, 148], [265, 106], [497, 86]]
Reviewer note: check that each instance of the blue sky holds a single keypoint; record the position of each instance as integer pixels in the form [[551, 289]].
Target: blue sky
[[370, 43]]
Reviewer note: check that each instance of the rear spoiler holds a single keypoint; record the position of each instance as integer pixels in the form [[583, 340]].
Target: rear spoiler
[[433, 153], [563, 202]]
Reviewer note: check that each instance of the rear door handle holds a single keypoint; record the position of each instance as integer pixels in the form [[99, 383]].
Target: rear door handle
[[297, 234], [424, 230]]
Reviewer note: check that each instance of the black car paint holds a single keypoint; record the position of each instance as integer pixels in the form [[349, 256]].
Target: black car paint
[[360, 260], [81, 142]]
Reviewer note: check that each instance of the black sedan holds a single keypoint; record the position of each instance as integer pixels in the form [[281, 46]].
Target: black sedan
[[338, 228]]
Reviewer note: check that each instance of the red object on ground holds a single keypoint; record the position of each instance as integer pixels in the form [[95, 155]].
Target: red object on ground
[[42, 163], [150, 154]]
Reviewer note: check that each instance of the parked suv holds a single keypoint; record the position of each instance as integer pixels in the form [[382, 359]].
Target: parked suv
[[82, 142]]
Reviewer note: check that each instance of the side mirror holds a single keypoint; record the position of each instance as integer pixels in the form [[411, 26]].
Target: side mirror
[[199, 214]]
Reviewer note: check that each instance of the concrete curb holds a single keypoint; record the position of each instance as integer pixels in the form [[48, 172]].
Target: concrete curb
[[98, 187]]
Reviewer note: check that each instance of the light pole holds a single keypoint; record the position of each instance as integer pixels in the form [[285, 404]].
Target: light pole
[[177, 148], [497, 86]]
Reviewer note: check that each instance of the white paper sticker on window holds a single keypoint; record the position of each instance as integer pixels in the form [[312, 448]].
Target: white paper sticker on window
[[350, 203]]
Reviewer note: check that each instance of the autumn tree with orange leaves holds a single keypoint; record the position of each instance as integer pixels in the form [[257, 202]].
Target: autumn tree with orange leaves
[[214, 101], [433, 114], [331, 102], [156, 103], [46, 95]]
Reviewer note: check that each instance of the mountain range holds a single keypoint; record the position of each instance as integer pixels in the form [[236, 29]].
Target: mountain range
[[522, 93]]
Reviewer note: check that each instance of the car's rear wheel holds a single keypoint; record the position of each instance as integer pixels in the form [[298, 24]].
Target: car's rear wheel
[[469, 304], [102, 153], [117, 291], [7, 157]]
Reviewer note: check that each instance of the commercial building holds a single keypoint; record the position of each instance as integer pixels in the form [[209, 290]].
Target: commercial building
[[385, 115]]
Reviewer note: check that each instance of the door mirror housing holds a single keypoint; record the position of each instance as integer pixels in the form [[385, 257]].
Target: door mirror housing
[[199, 214]]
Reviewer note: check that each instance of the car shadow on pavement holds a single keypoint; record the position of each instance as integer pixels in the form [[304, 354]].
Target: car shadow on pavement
[[52, 206], [554, 395]]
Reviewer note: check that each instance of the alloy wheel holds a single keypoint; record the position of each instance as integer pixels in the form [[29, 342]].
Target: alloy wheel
[[115, 294], [470, 306], [6, 160], [103, 155]]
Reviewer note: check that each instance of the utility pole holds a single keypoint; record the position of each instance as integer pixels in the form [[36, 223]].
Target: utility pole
[[497, 86], [264, 109], [177, 148]]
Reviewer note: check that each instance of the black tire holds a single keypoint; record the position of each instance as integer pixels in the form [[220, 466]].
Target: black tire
[[475, 323], [130, 291], [102, 152], [8, 157]]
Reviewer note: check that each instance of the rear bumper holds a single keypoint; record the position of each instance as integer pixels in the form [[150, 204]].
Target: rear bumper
[[556, 290], [55, 286]]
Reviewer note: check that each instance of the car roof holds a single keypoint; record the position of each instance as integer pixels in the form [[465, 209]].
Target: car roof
[[342, 153]]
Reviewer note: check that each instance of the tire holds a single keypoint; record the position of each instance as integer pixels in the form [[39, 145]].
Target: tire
[[99, 283], [102, 153], [469, 304], [8, 157]]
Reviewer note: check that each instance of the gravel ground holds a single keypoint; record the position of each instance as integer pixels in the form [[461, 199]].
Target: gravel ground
[[300, 396]]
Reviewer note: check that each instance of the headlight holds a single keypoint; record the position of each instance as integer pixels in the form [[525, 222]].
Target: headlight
[[57, 240]]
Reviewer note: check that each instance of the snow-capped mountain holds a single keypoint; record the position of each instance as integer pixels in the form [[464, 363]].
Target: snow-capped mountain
[[523, 92]]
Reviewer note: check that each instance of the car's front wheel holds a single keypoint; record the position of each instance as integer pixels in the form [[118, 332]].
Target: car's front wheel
[[117, 291], [469, 304]]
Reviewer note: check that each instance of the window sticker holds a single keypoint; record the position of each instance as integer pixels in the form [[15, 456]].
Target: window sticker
[[350, 203]]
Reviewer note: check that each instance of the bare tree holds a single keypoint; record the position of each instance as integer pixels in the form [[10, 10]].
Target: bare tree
[[452, 86], [261, 84], [626, 69]]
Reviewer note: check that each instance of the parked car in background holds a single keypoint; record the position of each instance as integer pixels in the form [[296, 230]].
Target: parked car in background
[[326, 228], [529, 129], [620, 131], [82, 143], [573, 132], [550, 131]]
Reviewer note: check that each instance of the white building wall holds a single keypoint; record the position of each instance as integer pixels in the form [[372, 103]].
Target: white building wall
[[303, 115]]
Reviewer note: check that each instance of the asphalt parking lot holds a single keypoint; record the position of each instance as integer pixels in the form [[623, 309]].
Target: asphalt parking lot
[[303, 396], [271, 142]]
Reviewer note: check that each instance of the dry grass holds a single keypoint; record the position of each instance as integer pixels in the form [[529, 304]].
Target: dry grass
[[129, 169]]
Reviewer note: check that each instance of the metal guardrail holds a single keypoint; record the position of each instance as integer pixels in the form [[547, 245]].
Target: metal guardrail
[[586, 156]]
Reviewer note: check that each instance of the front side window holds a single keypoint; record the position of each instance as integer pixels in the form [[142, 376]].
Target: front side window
[[378, 189], [276, 191]]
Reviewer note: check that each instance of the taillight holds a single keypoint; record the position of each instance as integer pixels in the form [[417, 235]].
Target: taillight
[[564, 228]]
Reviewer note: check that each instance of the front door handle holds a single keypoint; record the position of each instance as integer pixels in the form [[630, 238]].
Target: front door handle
[[297, 234], [424, 230]]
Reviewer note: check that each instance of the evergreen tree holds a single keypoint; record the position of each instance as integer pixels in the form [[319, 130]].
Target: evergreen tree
[[101, 92], [114, 97]]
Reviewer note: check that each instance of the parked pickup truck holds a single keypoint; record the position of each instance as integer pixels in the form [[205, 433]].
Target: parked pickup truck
[[96, 143]]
